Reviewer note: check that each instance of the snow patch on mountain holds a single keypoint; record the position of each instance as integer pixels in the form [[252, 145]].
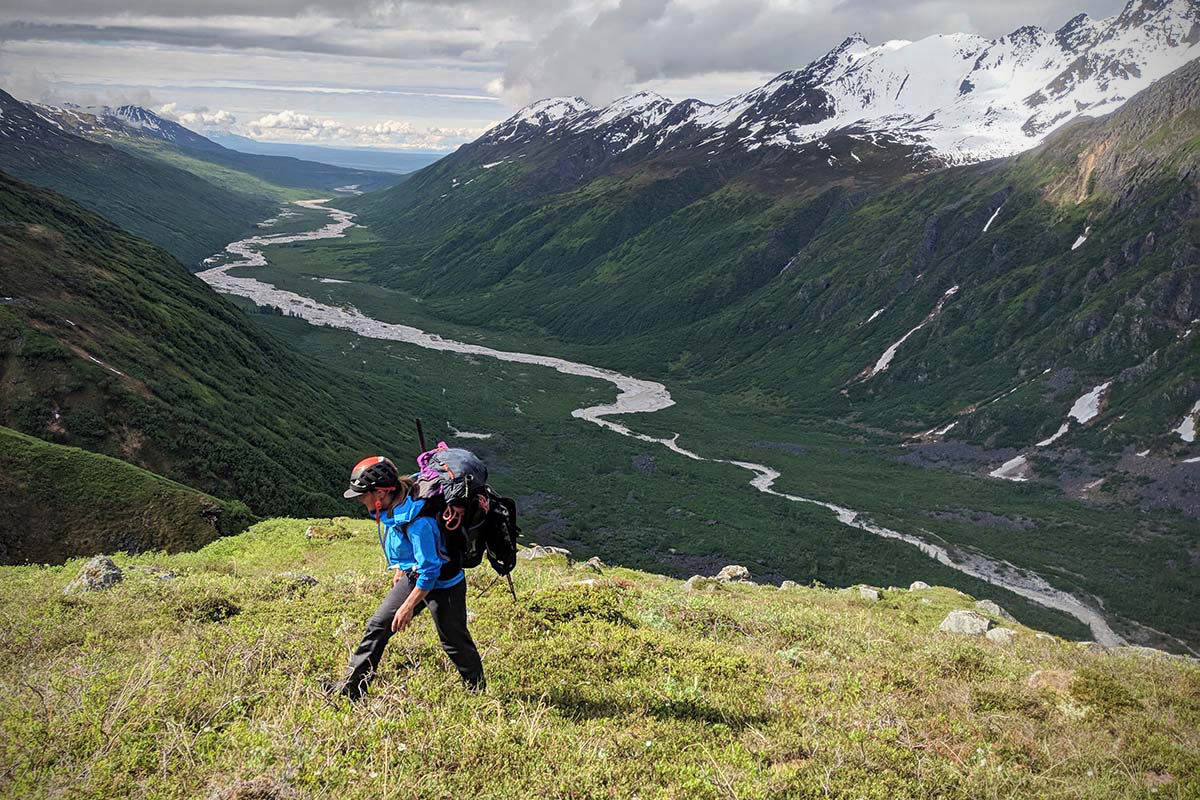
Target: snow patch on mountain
[[1083, 237], [992, 218], [1088, 406], [886, 359], [1015, 469], [1187, 428], [957, 97]]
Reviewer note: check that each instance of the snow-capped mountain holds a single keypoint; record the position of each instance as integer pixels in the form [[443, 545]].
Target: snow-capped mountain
[[123, 122], [956, 98]]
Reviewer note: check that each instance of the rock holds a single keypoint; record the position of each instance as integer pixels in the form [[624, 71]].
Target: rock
[[990, 607], [1001, 635], [1045, 636], [868, 593], [672, 550], [789, 585], [1057, 680], [298, 579], [733, 573], [538, 551], [470, 617], [699, 583], [968, 623], [585, 582], [97, 575], [594, 564], [917, 586]]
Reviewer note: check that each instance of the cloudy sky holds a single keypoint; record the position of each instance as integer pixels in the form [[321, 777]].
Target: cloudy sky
[[431, 74]]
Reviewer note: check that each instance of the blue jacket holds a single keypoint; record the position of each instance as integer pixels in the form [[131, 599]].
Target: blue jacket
[[415, 543]]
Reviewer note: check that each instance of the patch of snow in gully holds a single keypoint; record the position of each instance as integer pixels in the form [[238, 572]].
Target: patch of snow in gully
[[885, 360]]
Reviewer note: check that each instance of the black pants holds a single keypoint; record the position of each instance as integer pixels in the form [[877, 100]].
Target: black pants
[[449, 610]]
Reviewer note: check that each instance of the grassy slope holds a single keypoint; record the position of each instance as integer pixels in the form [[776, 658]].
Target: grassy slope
[[628, 687], [188, 388], [280, 172], [179, 211], [62, 501]]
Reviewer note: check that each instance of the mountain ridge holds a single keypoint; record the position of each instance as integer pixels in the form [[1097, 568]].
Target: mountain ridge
[[956, 98]]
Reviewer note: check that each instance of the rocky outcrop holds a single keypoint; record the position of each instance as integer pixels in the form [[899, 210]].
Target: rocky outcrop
[[917, 586], [97, 575], [593, 564], [699, 583], [1000, 635], [967, 623], [733, 573], [990, 607], [543, 551]]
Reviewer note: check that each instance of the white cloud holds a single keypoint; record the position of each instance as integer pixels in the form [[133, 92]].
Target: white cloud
[[198, 118], [294, 126]]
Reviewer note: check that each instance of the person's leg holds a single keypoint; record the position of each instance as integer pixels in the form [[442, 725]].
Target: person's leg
[[448, 607], [365, 660]]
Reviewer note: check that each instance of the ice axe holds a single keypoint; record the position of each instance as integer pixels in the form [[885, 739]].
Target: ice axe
[[420, 435]]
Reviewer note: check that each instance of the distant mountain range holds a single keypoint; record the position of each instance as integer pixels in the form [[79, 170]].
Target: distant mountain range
[[399, 162], [157, 178], [954, 98]]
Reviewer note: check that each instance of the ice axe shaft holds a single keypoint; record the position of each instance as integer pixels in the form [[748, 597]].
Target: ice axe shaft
[[420, 435], [511, 588]]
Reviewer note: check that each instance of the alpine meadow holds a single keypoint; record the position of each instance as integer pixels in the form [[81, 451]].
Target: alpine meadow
[[412, 398]]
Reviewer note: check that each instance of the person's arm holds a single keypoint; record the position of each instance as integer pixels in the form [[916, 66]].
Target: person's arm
[[423, 535], [404, 613]]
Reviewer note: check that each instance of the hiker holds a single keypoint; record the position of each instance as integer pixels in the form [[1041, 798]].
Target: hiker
[[425, 577]]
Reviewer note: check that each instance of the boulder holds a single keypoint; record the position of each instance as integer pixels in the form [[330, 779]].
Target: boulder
[[789, 585], [990, 607], [539, 551], [699, 583], [917, 586], [733, 573], [594, 564], [1001, 635], [97, 575], [868, 593], [1056, 680], [968, 623]]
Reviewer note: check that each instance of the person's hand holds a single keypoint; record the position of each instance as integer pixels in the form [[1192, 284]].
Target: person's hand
[[403, 616], [396, 577]]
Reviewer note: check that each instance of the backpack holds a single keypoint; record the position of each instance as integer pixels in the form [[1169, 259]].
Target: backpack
[[473, 518]]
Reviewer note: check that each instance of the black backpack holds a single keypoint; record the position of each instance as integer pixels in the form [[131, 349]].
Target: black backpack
[[487, 527], [473, 519]]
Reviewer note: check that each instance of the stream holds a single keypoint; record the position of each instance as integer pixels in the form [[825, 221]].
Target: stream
[[634, 396]]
